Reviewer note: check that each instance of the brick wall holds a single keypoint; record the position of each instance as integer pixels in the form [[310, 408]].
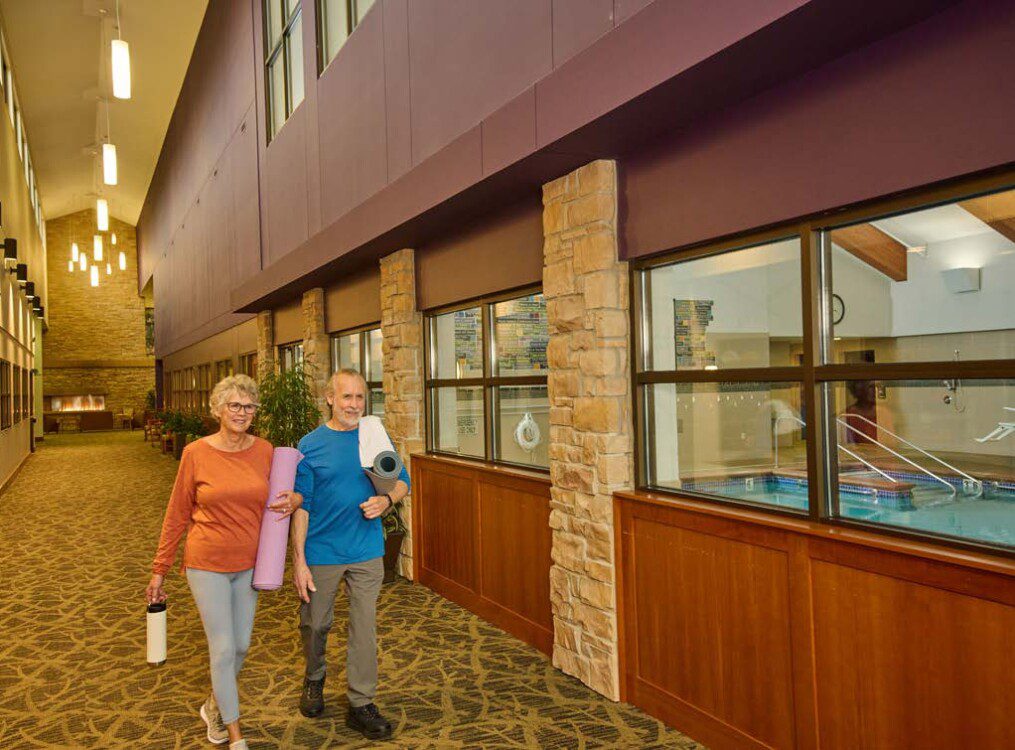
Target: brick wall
[[96, 338]]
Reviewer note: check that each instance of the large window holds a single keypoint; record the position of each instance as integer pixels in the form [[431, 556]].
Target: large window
[[336, 20], [203, 389], [887, 340], [362, 350], [486, 381], [5, 395], [290, 355], [283, 37], [16, 394], [248, 364], [223, 369]]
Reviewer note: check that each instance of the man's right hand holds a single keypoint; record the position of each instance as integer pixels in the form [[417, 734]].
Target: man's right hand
[[303, 580]]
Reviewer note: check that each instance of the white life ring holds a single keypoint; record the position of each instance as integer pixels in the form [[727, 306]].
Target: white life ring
[[527, 434]]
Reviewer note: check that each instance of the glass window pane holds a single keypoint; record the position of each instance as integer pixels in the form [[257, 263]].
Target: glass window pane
[[276, 81], [362, 6], [375, 343], [521, 335], [458, 344], [929, 285], [736, 440], [273, 17], [377, 402], [345, 352], [335, 19], [294, 54], [458, 420], [523, 425], [737, 309], [928, 455]]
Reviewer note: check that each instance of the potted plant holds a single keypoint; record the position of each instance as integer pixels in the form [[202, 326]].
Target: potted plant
[[170, 426], [394, 534], [288, 412]]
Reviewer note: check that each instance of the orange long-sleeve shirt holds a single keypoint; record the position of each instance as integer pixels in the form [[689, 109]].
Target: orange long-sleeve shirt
[[220, 496]]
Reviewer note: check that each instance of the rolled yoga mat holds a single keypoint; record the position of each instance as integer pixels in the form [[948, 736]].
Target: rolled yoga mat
[[269, 570], [384, 473]]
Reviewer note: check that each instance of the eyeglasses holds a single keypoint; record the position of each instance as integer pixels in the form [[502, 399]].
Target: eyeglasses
[[236, 407]]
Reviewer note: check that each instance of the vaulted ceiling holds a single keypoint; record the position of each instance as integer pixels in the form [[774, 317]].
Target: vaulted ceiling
[[61, 57]]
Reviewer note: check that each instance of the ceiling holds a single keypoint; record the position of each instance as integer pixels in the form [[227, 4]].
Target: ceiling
[[61, 58]]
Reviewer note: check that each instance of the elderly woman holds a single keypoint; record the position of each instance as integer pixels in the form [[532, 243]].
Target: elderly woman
[[218, 498]]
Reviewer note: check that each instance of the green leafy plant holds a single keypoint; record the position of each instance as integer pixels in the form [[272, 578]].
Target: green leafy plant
[[149, 400], [288, 407], [172, 421], [392, 523], [192, 424]]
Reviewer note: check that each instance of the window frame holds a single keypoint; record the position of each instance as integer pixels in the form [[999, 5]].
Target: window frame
[[248, 364], [816, 376], [488, 382], [363, 332], [273, 51], [281, 349], [352, 22], [6, 406]]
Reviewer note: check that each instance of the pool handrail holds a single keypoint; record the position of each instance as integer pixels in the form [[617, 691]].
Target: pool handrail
[[976, 482], [775, 441], [928, 472]]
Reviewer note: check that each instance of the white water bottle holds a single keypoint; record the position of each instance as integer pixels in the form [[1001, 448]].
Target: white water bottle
[[157, 633]]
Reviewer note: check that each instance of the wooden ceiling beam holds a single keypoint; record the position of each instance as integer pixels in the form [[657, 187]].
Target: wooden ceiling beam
[[996, 211], [875, 248]]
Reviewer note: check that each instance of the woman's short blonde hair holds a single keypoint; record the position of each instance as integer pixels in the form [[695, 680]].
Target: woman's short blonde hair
[[241, 384]]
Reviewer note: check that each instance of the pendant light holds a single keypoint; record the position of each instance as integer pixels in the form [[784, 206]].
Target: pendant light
[[109, 163], [121, 69], [97, 247], [74, 252], [113, 238], [109, 269], [95, 275], [102, 214], [83, 261], [123, 261], [70, 265]]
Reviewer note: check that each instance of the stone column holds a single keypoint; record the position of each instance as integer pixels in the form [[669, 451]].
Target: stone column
[[586, 289], [402, 329], [316, 352], [265, 343]]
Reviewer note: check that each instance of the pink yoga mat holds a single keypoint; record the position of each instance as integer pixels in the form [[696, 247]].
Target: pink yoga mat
[[270, 567]]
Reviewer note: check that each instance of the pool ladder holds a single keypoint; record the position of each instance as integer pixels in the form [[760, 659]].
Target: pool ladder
[[968, 480]]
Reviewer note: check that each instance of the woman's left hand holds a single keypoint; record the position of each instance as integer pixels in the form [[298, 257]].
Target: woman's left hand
[[286, 503]]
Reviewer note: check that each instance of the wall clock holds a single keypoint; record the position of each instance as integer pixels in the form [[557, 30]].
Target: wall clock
[[838, 309]]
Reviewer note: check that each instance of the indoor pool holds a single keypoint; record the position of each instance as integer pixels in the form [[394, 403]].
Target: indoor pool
[[931, 507]]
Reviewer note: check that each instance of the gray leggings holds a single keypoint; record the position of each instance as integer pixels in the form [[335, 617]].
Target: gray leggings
[[227, 604]]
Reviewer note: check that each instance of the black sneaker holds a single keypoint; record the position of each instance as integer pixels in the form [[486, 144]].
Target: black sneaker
[[312, 699], [368, 721]]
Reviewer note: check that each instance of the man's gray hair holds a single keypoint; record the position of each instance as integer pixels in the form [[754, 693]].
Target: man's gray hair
[[344, 372]]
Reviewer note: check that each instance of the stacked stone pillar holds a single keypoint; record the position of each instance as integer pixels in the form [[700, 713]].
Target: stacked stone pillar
[[316, 350], [591, 451], [402, 329], [265, 344]]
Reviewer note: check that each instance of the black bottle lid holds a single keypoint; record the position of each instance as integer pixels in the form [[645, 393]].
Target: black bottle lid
[[157, 607]]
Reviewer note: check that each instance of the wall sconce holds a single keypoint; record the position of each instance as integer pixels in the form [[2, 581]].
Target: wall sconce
[[41, 312], [10, 251], [37, 304], [961, 280], [30, 290], [22, 273]]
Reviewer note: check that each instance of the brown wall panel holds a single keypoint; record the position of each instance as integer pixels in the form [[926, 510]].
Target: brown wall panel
[[289, 323], [468, 521], [501, 252], [577, 24], [396, 87], [284, 187], [748, 630], [353, 302], [228, 344]]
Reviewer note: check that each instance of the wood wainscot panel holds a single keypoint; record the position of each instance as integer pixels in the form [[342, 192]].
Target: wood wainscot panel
[[745, 629], [482, 539], [706, 609]]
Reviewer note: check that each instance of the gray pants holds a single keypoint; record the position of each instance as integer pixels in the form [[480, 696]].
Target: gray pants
[[362, 584], [227, 605]]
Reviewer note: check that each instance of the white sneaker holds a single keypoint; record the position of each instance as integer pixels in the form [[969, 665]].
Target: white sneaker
[[217, 732], [238, 745]]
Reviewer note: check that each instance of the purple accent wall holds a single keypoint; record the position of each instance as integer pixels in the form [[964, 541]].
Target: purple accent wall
[[921, 106]]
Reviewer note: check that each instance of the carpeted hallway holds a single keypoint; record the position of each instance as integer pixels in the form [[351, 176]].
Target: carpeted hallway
[[78, 527]]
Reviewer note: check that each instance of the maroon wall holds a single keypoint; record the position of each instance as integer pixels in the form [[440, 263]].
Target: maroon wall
[[924, 105]]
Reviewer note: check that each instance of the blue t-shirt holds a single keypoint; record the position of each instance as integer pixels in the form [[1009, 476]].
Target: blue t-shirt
[[333, 485]]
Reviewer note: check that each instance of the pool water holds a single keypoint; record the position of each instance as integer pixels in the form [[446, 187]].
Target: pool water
[[990, 518]]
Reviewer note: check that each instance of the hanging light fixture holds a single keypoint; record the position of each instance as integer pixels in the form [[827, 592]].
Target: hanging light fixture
[[109, 163], [109, 269], [102, 216], [113, 238], [95, 275], [123, 261], [121, 62], [74, 252], [97, 247], [83, 261], [70, 266]]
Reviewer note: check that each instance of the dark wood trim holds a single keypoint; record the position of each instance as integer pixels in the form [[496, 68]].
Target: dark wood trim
[[982, 369], [449, 462], [480, 300]]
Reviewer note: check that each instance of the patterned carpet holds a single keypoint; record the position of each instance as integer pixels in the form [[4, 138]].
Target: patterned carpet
[[78, 527]]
